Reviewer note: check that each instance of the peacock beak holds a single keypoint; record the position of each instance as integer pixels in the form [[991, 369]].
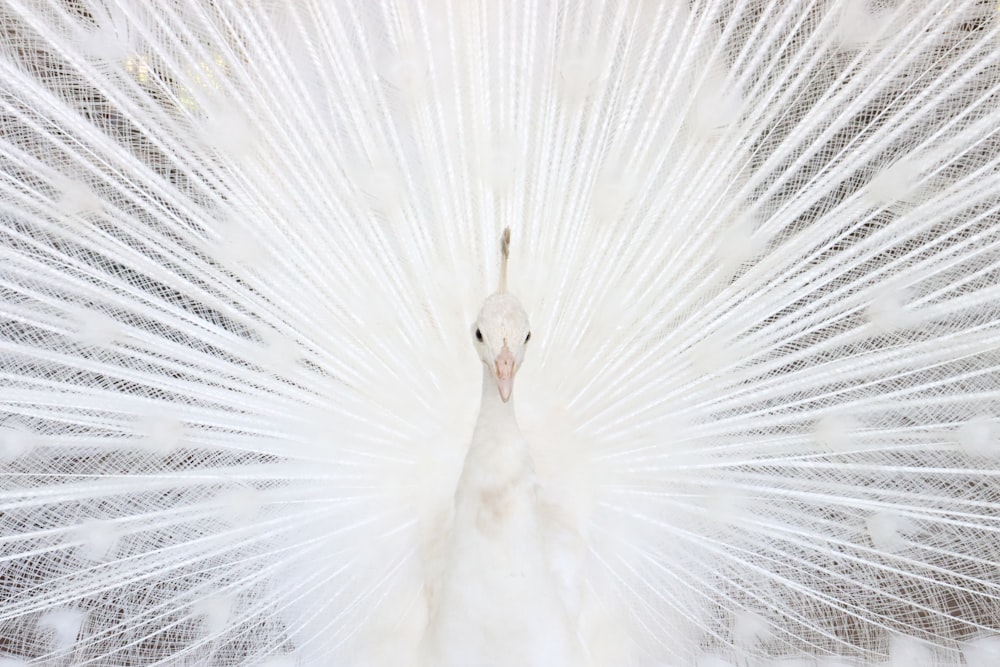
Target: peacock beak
[[504, 369]]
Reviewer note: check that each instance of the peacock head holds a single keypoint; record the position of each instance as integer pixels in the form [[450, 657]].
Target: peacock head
[[502, 329], [502, 334]]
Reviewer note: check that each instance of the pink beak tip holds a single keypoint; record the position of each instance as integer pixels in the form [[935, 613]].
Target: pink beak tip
[[504, 369]]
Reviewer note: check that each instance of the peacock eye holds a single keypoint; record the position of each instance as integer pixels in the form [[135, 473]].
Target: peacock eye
[[479, 335], [528, 337]]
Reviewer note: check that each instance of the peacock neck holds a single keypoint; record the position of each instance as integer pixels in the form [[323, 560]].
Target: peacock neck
[[493, 407], [494, 413]]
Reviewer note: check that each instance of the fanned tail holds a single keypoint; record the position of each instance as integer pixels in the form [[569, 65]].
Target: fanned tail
[[241, 245]]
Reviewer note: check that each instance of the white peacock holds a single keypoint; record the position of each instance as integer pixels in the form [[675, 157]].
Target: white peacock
[[241, 243]]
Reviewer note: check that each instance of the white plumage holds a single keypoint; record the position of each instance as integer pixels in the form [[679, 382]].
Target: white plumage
[[496, 599], [507, 589], [241, 246]]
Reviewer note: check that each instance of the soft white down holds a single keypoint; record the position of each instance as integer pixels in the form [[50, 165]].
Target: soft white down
[[496, 597]]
